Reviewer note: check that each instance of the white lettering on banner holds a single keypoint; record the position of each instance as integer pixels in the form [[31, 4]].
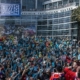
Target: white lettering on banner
[[9, 9]]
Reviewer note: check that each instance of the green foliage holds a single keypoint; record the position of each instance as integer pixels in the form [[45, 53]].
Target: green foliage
[[76, 14]]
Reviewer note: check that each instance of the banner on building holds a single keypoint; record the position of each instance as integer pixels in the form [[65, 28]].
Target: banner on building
[[9, 9]]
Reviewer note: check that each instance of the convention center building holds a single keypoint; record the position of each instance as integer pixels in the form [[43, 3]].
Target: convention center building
[[50, 18]]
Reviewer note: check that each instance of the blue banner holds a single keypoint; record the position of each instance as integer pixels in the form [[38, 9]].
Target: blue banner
[[9, 9]]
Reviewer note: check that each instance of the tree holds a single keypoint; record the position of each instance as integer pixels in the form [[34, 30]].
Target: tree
[[76, 17]]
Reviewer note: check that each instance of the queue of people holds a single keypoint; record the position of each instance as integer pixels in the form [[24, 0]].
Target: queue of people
[[39, 58]]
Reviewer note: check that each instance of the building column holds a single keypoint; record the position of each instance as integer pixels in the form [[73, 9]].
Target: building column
[[68, 1], [57, 4], [36, 4], [21, 4], [79, 2], [62, 2]]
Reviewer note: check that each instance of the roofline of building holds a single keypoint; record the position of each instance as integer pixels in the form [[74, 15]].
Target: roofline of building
[[49, 11], [50, 1]]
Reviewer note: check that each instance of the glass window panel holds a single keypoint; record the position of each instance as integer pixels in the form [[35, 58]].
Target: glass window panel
[[50, 27], [39, 17], [3, 1], [59, 3], [50, 21], [74, 31], [65, 2], [49, 32], [55, 15], [74, 25], [77, 4], [66, 26], [50, 5], [33, 16], [64, 32], [55, 21], [30, 4], [61, 14], [41, 27], [49, 16], [2, 22], [26, 17], [71, 1], [44, 33], [44, 16], [17, 1], [40, 5], [68, 13], [47, 6], [44, 22], [68, 19], [61, 20], [54, 32], [38, 33], [61, 26], [55, 27], [57, 33], [55, 5], [77, 1]]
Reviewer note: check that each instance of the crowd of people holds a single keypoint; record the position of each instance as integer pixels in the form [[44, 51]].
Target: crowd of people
[[39, 58]]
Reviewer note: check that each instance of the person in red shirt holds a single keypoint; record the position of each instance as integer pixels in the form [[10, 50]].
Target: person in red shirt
[[70, 75], [68, 59], [57, 74]]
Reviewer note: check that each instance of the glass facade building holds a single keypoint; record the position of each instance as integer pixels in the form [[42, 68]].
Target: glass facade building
[[9, 1], [32, 5], [50, 17]]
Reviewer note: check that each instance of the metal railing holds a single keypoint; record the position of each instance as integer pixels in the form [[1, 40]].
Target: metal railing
[[62, 6]]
